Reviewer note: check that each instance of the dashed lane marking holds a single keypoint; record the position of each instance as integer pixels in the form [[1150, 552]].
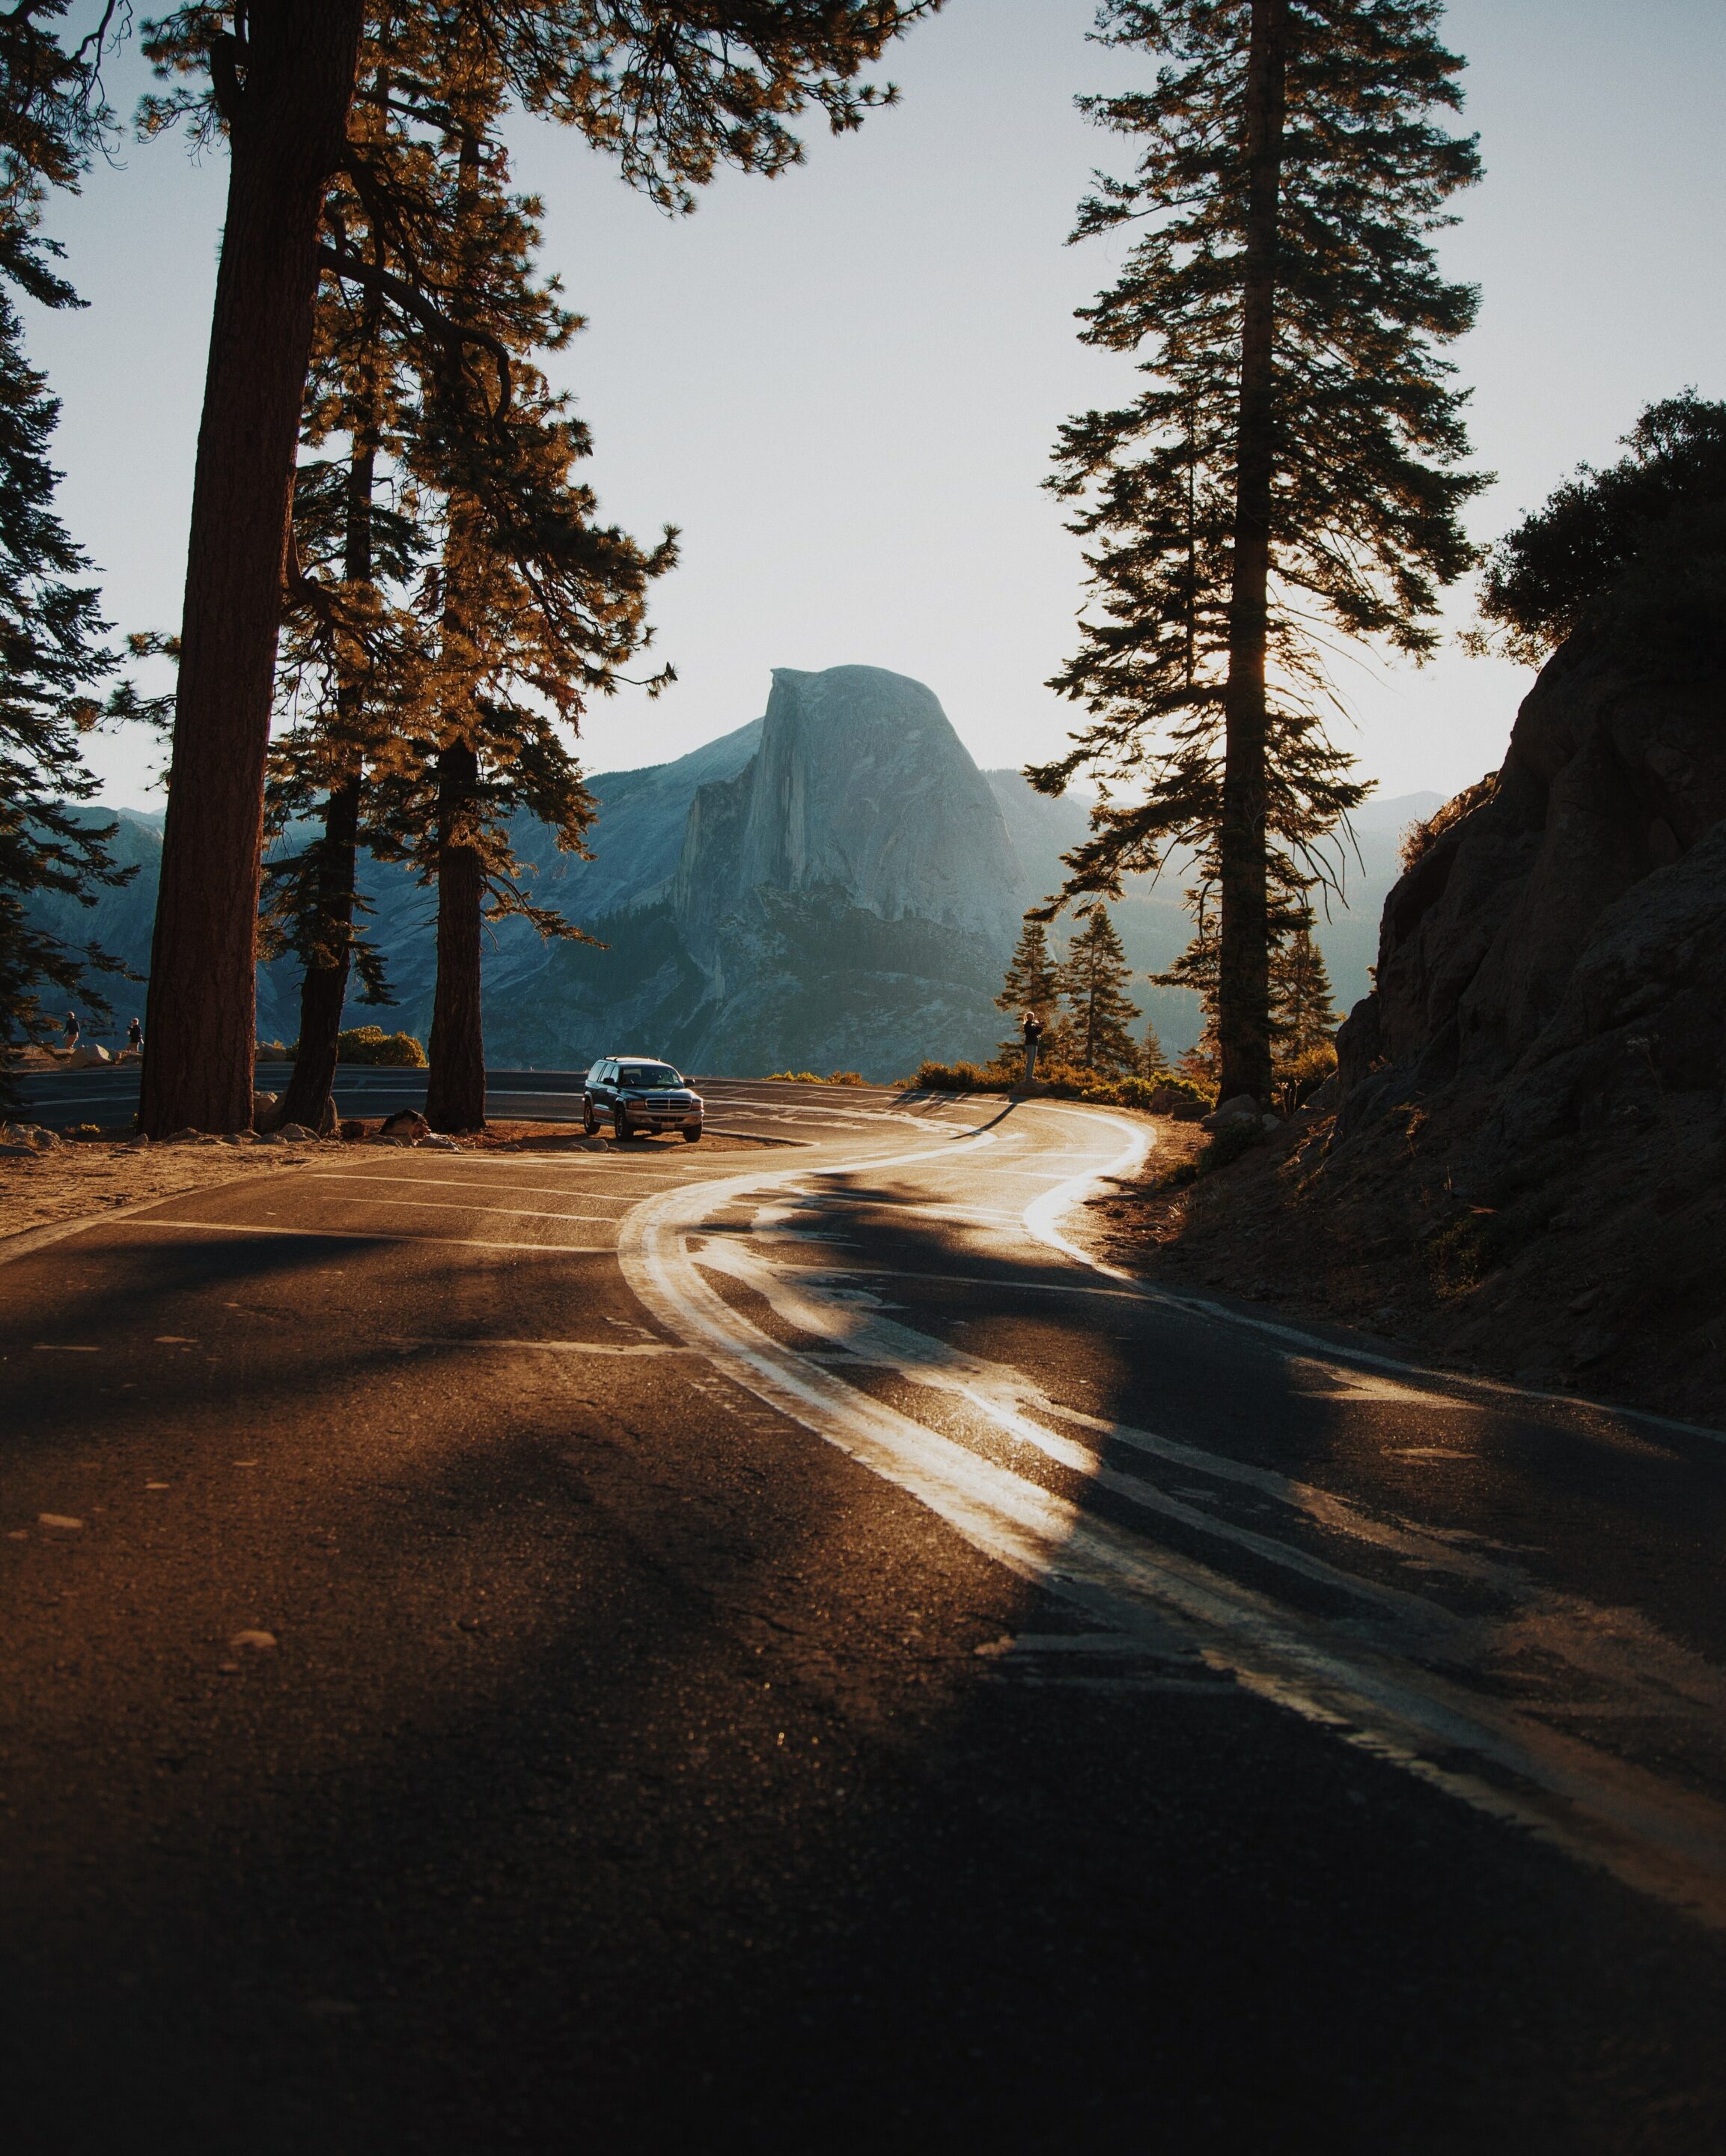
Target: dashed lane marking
[[383, 1235], [473, 1205], [563, 1347]]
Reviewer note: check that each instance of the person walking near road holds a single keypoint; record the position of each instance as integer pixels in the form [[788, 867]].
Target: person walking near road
[[135, 1037], [72, 1031], [1032, 1030]]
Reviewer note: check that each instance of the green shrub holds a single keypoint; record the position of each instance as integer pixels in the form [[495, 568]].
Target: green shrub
[[1063, 1081], [1299, 1079], [1067, 1082], [814, 1078], [370, 1044], [1228, 1145], [933, 1077], [1186, 1098]]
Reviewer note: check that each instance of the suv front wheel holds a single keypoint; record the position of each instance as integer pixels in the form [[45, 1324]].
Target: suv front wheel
[[620, 1126]]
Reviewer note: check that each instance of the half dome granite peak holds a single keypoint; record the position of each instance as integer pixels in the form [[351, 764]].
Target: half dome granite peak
[[860, 787]]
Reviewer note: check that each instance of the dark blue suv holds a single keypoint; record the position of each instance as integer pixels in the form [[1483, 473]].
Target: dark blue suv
[[638, 1093]]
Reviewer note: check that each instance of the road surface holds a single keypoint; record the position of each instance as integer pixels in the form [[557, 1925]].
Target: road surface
[[674, 1647], [110, 1098]]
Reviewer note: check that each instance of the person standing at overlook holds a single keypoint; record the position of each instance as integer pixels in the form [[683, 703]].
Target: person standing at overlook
[[1032, 1029]]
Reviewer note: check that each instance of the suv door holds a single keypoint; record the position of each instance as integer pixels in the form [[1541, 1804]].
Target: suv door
[[600, 1096]]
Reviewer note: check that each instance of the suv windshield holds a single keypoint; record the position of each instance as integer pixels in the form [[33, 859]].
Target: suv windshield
[[646, 1073]]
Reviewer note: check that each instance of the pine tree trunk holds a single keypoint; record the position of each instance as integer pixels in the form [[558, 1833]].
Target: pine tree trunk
[[324, 989], [455, 1094], [287, 127], [1244, 970]]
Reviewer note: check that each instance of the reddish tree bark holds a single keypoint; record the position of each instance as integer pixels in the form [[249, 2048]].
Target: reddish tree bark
[[455, 1091], [1243, 1020], [286, 94], [324, 989]]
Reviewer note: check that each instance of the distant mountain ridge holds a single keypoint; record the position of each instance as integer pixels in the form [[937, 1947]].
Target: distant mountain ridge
[[834, 885]]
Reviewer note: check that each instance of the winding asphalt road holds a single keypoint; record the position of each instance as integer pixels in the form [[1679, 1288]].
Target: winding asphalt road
[[774, 1647]]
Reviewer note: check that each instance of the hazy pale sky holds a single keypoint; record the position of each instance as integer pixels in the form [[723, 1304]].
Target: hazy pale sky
[[843, 384]]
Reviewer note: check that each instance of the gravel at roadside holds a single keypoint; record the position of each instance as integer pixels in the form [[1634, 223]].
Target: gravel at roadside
[[84, 1178], [89, 1176]]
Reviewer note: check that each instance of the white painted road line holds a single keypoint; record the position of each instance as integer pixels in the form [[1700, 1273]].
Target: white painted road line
[[474, 1205], [1652, 1833], [562, 1347], [382, 1235]]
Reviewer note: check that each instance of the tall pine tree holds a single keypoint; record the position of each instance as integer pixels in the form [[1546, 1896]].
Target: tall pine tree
[[51, 653], [671, 88], [51, 657], [1029, 985], [352, 667], [1303, 1003], [1292, 465], [1092, 979], [536, 606], [356, 653]]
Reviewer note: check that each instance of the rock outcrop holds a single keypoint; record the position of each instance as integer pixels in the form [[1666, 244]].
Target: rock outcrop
[[850, 895], [1526, 1170], [860, 785], [1563, 944]]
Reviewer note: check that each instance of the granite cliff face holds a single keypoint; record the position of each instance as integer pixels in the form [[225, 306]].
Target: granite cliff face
[[832, 885], [859, 786], [1563, 941], [850, 895], [835, 884]]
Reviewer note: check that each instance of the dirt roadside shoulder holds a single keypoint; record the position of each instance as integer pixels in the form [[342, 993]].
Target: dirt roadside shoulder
[[84, 1180]]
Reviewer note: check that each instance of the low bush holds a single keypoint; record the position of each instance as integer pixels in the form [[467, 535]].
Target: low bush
[[370, 1044], [1228, 1145], [954, 1078], [1186, 1098], [1164, 1094], [1296, 1081], [1071, 1082]]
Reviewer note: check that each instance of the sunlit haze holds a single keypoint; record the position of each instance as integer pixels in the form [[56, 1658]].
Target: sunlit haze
[[843, 385]]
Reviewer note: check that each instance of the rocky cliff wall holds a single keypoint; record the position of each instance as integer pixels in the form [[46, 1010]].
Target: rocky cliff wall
[[1521, 1166], [1562, 942]]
